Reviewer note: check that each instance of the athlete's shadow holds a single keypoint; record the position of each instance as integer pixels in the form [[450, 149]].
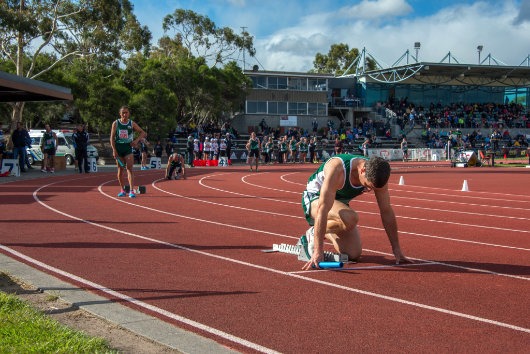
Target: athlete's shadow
[[385, 263]]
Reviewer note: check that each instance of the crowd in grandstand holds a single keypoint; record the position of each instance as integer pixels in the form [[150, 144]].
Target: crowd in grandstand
[[461, 115]]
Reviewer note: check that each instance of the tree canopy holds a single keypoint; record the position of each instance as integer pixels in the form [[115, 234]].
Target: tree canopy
[[65, 30], [337, 60]]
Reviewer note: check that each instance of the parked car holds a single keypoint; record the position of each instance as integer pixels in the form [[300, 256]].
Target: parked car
[[65, 146]]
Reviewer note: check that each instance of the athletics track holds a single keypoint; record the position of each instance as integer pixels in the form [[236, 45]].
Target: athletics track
[[189, 253]]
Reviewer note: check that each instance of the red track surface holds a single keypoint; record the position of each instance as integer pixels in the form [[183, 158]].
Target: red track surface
[[189, 252]]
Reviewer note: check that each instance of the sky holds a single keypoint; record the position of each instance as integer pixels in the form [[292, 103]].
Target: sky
[[289, 33]]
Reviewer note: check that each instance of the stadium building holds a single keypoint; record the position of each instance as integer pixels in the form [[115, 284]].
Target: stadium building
[[284, 99]]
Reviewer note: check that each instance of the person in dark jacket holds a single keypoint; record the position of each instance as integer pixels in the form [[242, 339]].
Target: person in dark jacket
[[81, 143], [20, 137], [189, 150]]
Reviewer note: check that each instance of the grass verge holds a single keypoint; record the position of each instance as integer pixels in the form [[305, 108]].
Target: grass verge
[[23, 329]]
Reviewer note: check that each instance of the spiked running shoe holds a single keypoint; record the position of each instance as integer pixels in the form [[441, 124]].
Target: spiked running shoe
[[306, 241]]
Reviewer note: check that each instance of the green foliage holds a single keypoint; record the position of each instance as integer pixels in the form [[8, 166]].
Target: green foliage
[[103, 30], [23, 329], [96, 51], [202, 38], [337, 60]]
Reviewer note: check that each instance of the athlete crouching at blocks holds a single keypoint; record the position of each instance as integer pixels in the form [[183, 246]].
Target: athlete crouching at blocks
[[326, 206], [175, 165]]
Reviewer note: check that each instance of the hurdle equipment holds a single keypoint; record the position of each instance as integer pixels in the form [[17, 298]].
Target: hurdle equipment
[[140, 190], [298, 250]]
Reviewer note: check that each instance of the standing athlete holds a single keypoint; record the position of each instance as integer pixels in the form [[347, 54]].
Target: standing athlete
[[253, 146], [326, 206], [122, 142]]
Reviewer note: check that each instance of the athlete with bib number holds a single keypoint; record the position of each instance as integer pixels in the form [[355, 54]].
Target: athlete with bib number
[[123, 141]]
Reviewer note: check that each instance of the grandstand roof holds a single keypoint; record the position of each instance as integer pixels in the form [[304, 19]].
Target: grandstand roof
[[14, 88], [453, 74]]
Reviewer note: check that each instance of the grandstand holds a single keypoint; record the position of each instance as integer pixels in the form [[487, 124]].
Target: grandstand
[[442, 97]]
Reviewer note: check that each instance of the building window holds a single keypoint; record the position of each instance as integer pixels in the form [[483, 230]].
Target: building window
[[259, 82], [277, 83], [298, 84], [277, 107], [317, 85], [317, 109], [298, 108], [254, 107]]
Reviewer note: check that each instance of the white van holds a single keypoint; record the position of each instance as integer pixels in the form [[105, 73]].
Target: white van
[[65, 146]]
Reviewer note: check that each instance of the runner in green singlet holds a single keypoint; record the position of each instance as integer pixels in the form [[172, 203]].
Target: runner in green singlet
[[48, 146], [122, 141], [253, 146], [293, 148], [326, 206]]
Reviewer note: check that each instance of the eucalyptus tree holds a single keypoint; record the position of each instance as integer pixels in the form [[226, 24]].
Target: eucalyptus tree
[[69, 29], [337, 60], [202, 38]]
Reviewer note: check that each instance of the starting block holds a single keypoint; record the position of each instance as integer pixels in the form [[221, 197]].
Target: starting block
[[140, 190], [299, 251]]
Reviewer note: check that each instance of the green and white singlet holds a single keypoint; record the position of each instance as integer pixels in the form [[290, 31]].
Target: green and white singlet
[[124, 137], [48, 141], [345, 194]]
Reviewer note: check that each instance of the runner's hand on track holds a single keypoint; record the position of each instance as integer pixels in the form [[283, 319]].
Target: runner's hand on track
[[313, 262], [400, 258]]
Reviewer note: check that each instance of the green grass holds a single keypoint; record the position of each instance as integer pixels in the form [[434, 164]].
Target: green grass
[[23, 329]]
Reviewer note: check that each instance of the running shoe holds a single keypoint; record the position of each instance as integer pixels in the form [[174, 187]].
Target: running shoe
[[44, 171], [122, 194], [132, 195], [307, 243]]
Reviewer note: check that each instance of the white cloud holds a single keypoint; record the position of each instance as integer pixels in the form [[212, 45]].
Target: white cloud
[[457, 29], [372, 9], [524, 12]]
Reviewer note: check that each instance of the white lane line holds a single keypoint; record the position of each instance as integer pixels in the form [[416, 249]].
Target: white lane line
[[359, 291], [140, 303], [201, 182]]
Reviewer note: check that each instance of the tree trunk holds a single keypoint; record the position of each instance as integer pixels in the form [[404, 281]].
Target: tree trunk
[[16, 115]]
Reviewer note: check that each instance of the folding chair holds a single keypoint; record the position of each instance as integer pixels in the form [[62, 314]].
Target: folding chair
[[484, 158]]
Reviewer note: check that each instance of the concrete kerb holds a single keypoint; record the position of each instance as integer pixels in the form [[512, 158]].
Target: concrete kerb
[[129, 319]]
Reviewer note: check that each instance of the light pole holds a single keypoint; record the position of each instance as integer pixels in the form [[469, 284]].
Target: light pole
[[479, 49], [417, 46]]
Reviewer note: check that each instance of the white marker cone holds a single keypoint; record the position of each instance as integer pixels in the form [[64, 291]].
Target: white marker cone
[[465, 187], [401, 181]]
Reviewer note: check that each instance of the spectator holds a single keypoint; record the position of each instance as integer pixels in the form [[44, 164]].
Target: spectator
[[229, 144], [81, 139], [405, 149], [189, 150], [19, 139], [157, 149], [338, 146], [144, 148]]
